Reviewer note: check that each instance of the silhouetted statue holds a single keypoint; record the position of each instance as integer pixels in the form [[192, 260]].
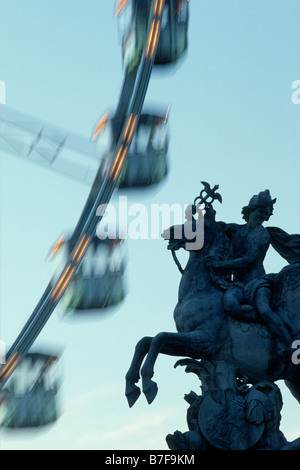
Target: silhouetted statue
[[231, 317]]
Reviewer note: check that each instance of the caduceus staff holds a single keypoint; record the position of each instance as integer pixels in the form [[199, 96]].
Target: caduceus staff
[[206, 197]]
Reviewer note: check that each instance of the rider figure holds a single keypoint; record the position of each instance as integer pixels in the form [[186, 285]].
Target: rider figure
[[251, 289]]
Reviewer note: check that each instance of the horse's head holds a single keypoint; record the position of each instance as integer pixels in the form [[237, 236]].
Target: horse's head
[[194, 235]]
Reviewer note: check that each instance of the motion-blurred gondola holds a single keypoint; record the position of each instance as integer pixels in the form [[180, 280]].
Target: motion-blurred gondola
[[173, 40], [146, 162], [29, 398], [99, 281]]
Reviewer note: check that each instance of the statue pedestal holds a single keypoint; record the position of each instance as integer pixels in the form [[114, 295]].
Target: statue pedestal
[[229, 414]]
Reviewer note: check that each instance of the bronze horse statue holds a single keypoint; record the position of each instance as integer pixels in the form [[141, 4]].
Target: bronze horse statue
[[206, 330]]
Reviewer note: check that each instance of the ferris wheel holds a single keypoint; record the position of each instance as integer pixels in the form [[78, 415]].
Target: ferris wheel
[[128, 149]]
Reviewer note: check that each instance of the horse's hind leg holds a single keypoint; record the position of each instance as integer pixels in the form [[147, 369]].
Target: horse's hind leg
[[133, 392]]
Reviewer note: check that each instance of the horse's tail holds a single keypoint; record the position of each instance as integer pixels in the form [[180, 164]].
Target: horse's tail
[[293, 385]]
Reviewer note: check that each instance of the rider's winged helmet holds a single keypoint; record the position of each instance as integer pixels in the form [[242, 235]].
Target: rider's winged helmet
[[262, 199]]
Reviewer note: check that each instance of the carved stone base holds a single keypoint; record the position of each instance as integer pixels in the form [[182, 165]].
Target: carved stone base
[[229, 414]]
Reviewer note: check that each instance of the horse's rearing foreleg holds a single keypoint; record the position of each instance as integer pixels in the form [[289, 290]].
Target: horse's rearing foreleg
[[172, 344], [150, 388], [133, 392]]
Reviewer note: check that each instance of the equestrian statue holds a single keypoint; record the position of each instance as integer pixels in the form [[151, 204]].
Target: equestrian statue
[[237, 327]]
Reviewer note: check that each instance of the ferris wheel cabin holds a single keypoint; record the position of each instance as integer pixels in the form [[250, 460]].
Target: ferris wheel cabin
[[29, 397], [146, 162], [133, 20], [98, 282]]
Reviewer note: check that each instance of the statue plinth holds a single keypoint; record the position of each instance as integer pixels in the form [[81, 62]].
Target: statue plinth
[[229, 414]]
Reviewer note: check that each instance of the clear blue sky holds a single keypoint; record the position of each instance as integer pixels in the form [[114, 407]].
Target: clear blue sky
[[232, 122]]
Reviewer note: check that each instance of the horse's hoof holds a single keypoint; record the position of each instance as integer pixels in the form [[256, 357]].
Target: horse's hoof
[[132, 395], [150, 391]]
